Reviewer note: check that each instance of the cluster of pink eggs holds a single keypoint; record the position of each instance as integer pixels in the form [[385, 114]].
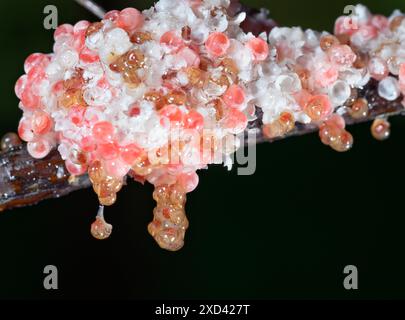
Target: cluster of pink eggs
[[64, 106], [113, 92]]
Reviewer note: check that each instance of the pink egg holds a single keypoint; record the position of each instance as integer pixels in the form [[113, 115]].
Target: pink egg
[[318, 107], [103, 131], [326, 75], [41, 122], [39, 148], [108, 151], [171, 40], [29, 99], [88, 144], [234, 97], [189, 181], [75, 169], [116, 168], [36, 60], [25, 130], [235, 121], [130, 19], [342, 55], [259, 48], [217, 44], [193, 120], [63, 30], [20, 85], [112, 15], [130, 153], [173, 113], [88, 56]]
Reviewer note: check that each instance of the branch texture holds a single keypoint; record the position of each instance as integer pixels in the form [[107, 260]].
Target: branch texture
[[92, 7], [26, 181]]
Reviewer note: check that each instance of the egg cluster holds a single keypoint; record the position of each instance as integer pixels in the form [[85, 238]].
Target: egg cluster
[[118, 95], [379, 43], [159, 94]]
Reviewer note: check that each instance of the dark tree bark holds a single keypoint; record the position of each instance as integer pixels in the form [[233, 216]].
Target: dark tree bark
[[26, 181]]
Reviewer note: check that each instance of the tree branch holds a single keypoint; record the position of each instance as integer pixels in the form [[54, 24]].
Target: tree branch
[[93, 7], [26, 181], [378, 108]]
